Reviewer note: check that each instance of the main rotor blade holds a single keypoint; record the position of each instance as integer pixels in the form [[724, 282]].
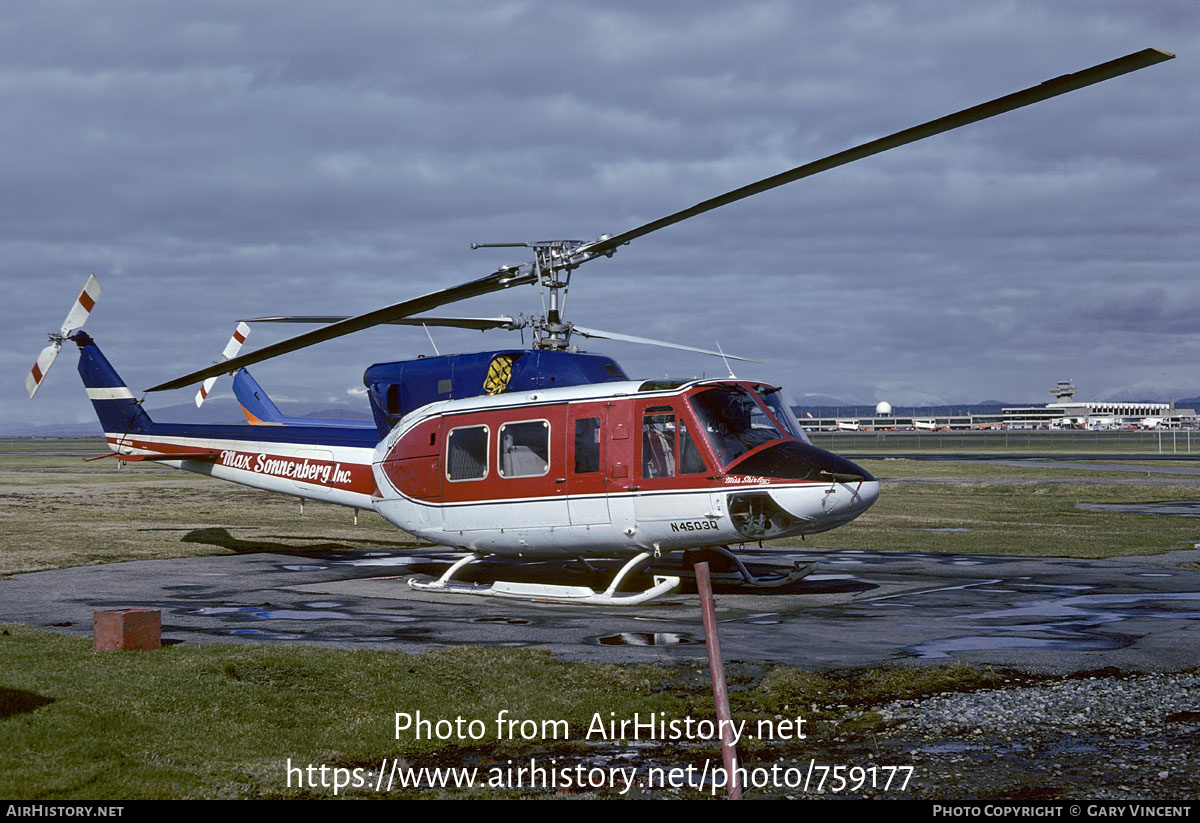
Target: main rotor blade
[[476, 323], [629, 338], [1034, 94], [497, 281]]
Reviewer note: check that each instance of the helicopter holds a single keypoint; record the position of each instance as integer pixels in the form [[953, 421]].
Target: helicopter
[[535, 454]]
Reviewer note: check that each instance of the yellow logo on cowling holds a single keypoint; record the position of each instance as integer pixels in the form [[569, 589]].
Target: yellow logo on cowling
[[498, 374]]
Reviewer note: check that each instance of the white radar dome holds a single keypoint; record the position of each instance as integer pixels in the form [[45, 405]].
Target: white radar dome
[[883, 409]]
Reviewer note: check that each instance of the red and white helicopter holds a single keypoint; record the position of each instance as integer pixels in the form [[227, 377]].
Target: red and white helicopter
[[543, 453]]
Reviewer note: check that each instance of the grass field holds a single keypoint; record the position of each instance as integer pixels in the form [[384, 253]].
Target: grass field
[[223, 721], [984, 508]]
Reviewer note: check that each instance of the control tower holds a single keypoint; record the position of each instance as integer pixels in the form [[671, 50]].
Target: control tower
[[1064, 392]]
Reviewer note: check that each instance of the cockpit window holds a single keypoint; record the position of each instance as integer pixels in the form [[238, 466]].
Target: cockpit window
[[772, 397], [733, 421]]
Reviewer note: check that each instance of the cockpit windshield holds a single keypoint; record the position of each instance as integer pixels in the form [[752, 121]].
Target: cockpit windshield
[[733, 421], [771, 396]]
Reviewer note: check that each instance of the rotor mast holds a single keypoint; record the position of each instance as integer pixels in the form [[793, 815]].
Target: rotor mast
[[553, 262]]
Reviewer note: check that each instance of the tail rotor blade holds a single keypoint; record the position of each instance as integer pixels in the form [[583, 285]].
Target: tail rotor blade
[[231, 349], [37, 374], [76, 317], [83, 306]]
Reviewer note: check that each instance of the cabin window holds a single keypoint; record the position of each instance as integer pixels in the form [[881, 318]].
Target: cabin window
[[658, 442], [587, 445], [667, 446], [466, 453], [524, 449]]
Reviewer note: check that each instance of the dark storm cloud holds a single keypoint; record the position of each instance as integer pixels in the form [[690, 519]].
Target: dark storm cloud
[[222, 160], [1152, 312]]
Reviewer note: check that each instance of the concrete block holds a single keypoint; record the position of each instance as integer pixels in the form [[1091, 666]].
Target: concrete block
[[139, 629]]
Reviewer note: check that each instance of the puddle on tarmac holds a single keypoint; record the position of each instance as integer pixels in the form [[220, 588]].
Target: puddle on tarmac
[[1071, 617], [1095, 609], [757, 619], [935, 649], [645, 639], [300, 568], [1054, 586], [510, 621]]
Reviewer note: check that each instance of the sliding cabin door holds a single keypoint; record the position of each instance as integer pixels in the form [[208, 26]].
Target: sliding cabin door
[[586, 469]]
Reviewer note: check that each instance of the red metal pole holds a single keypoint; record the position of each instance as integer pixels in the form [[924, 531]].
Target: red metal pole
[[716, 667]]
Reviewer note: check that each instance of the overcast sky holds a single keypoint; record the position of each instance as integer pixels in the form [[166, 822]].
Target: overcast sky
[[219, 160]]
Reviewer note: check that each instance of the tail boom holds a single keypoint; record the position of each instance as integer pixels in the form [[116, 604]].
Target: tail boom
[[315, 462]]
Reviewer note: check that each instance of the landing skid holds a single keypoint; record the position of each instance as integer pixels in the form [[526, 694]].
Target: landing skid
[[552, 592], [730, 569]]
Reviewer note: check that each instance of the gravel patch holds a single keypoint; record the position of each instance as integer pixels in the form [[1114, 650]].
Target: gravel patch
[[1093, 737]]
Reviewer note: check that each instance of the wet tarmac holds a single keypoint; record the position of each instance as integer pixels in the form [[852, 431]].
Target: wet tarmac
[[857, 609]]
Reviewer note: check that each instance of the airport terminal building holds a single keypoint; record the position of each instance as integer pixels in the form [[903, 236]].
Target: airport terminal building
[[1065, 413], [1069, 413]]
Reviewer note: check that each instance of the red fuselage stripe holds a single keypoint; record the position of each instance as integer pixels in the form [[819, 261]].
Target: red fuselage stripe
[[333, 474]]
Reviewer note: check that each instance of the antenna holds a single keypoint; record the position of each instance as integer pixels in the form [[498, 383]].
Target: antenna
[[732, 376], [430, 336]]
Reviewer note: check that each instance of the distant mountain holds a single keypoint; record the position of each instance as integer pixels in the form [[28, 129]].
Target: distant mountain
[[213, 411], [90, 429], [1151, 394], [812, 400]]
